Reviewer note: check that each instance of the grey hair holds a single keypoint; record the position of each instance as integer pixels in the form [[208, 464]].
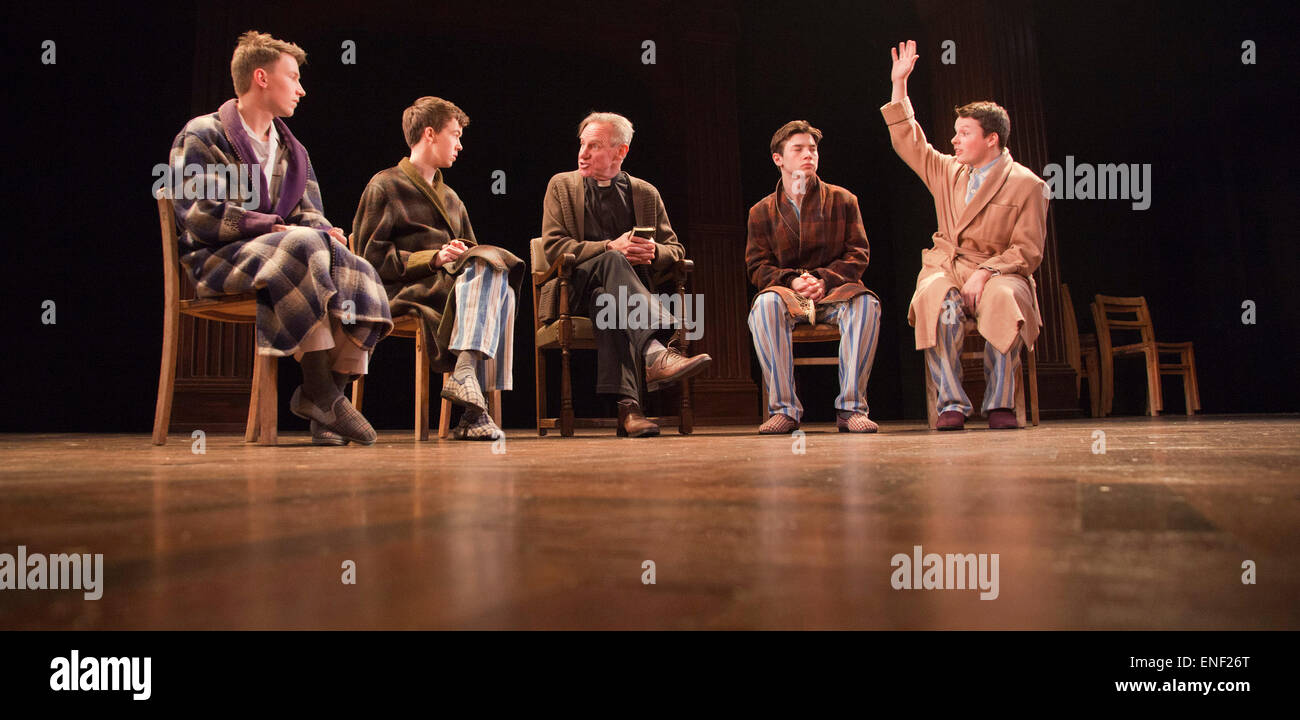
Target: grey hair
[[621, 126]]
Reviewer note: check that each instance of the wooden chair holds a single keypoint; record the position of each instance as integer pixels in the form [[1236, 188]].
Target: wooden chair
[[972, 364], [1140, 321], [408, 326], [805, 333], [235, 308], [570, 332], [1082, 354]]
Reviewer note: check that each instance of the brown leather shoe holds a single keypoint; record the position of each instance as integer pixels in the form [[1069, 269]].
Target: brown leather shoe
[[950, 420], [678, 340], [1003, 419], [855, 422], [669, 366], [778, 424], [631, 423]]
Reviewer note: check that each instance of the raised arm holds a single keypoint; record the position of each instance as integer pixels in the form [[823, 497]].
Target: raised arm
[[904, 132]]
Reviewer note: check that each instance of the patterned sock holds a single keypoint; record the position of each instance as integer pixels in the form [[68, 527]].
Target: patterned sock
[[462, 387]]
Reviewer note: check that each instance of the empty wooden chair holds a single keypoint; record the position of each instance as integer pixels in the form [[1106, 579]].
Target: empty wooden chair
[[1131, 314], [1082, 354]]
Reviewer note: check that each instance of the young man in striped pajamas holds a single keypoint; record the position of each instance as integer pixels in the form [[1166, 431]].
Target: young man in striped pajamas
[[806, 253], [416, 232], [992, 226]]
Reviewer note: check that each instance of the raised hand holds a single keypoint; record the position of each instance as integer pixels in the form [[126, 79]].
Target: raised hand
[[905, 58]]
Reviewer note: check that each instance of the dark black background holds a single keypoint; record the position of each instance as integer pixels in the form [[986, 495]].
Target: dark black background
[[1158, 83]]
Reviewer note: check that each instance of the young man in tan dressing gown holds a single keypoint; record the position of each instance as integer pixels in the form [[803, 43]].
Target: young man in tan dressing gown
[[992, 225]]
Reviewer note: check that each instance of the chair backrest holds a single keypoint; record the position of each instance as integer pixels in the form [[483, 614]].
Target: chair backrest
[[537, 254], [537, 260], [1073, 354], [170, 251], [1134, 315]]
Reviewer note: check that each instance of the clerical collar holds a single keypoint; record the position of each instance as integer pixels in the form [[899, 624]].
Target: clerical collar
[[619, 179]]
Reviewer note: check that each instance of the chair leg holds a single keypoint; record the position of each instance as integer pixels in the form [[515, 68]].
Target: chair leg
[[496, 407], [444, 414], [1033, 386], [1154, 402], [267, 400], [539, 370], [1189, 358], [421, 388], [1020, 404], [162, 414], [253, 425], [358, 392], [1107, 384], [687, 423], [566, 395], [1094, 384]]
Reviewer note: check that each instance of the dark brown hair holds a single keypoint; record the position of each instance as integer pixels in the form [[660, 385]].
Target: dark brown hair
[[429, 111], [992, 117], [794, 127]]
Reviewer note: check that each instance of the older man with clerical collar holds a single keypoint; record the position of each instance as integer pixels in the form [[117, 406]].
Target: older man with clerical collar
[[992, 215], [591, 212], [416, 232], [316, 300], [806, 252]]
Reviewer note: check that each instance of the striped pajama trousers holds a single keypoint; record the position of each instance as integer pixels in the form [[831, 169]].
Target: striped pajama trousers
[[771, 325], [943, 362], [485, 321]]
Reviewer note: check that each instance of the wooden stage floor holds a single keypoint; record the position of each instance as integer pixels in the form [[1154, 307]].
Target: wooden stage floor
[[743, 531]]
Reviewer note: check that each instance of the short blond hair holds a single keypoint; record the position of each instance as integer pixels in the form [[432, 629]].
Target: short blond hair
[[259, 50]]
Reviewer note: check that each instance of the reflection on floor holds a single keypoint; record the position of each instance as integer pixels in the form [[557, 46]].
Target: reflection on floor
[[1119, 523]]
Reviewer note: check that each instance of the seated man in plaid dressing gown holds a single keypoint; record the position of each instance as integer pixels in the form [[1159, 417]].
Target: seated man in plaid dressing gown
[[316, 301]]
